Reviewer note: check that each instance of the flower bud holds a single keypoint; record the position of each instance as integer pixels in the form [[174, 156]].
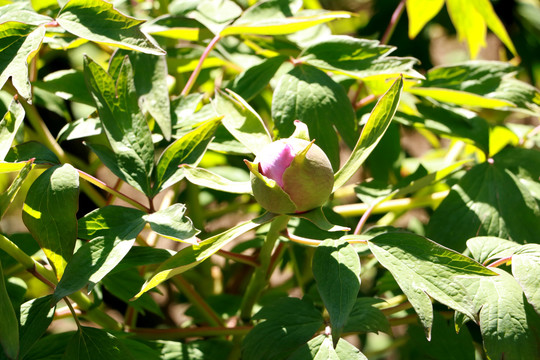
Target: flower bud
[[291, 176]]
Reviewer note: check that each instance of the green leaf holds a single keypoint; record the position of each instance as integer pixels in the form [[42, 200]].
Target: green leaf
[[317, 217], [364, 317], [9, 126], [36, 316], [80, 129], [282, 26], [425, 269], [373, 131], [6, 198], [288, 323], [150, 76], [485, 249], [99, 21], [67, 84], [18, 44], [206, 178], [336, 269], [321, 348], [358, 58], [177, 28], [309, 95], [191, 256], [142, 255], [32, 150], [172, 224], [420, 12], [508, 324], [188, 149], [254, 79], [49, 212], [123, 122], [9, 331], [9, 167], [242, 121], [91, 343], [23, 12], [526, 270], [112, 231], [489, 200]]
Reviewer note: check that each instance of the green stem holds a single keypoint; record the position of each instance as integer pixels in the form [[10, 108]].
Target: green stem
[[196, 300], [197, 70], [260, 277], [352, 210]]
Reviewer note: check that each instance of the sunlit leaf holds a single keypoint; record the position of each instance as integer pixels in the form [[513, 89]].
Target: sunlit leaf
[[91, 343], [206, 178], [6, 198], [9, 126], [420, 12], [172, 224], [526, 270]]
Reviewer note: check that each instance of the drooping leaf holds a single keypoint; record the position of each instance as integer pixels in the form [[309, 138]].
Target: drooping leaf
[[49, 212], [206, 178], [317, 217], [526, 270], [191, 256], [123, 122], [309, 95], [425, 269], [9, 331], [282, 26], [150, 76], [188, 149], [358, 58], [9, 126], [242, 121], [373, 131], [288, 323], [172, 224], [364, 317], [420, 12], [36, 316], [509, 325], [112, 231], [336, 269], [6, 198], [99, 21], [91, 343], [489, 200], [254, 79], [18, 43]]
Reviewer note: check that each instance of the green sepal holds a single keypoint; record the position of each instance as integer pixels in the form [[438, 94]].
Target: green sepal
[[268, 193], [317, 217], [301, 131]]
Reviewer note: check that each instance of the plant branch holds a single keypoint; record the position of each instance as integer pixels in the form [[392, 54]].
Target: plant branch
[[500, 262], [393, 22], [197, 70]]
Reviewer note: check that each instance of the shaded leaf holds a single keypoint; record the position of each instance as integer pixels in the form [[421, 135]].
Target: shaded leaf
[[123, 122], [172, 224], [288, 323], [364, 317], [242, 121], [425, 269], [191, 256], [317, 217], [49, 212], [9, 331], [91, 343], [36, 316], [254, 79], [309, 95], [99, 21], [508, 324], [18, 43], [32, 150], [9, 126], [112, 231], [6, 198], [67, 84], [336, 269], [373, 131]]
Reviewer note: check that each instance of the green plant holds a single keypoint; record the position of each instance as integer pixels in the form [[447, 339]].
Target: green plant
[[127, 201]]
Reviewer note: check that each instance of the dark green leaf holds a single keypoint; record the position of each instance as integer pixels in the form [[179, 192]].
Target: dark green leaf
[[49, 212], [309, 95], [358, 58], [207, 349], [32, 150], [336, 268], [50, 347], [18, 42], [143, 255], [6, 198], [321, 348], [288, 323], [123, 122], [172, 224], [189, 150], [9, 126], [91, 343], [67, 84], [252, 81], [364, 317], [36, 316], [509, 325], [424, 269], [99, 21], [112, 231], [9, 331]]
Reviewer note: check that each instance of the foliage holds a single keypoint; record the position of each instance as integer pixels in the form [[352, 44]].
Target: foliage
[[128, 226]]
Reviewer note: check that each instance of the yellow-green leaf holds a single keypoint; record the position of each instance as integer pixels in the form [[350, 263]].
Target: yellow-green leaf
[[460, 97], [420, 12]]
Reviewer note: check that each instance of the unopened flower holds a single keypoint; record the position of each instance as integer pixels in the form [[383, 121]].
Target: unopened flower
[[291, 176]]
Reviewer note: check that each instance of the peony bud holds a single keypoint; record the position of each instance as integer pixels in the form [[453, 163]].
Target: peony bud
[[291, 176]]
